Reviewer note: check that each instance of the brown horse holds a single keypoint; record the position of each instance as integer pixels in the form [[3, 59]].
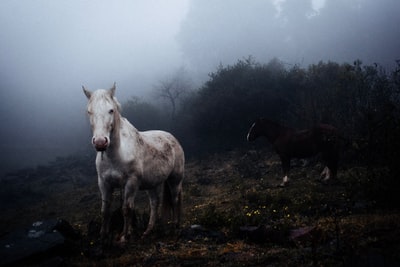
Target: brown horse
[[291, 143]]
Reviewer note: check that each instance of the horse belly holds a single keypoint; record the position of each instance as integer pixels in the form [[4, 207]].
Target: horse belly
[[303, 150], [155, 172], [151, 182], [157, 157]]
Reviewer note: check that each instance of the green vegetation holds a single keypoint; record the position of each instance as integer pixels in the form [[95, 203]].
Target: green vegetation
[[361, 101], [221, 197], [234, 213]]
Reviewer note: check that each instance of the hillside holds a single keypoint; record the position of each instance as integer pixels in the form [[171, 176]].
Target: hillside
[[234, 215]]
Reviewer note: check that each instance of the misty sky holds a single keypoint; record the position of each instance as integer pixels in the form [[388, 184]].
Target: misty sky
[[49, 48]]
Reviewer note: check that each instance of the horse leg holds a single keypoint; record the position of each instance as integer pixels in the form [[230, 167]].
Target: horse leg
[[154, 198], [325, 174], [285, 169], [331, 159], [106, 193], [128, 210], [332, 167], [333, 163]]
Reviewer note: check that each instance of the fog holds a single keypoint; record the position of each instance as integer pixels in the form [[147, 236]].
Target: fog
[[296, 32], [49, 49]]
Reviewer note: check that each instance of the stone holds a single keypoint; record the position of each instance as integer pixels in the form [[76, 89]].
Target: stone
[[38, 238]]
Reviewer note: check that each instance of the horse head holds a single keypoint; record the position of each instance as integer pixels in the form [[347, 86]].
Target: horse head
[[255, 130], [103, 111]]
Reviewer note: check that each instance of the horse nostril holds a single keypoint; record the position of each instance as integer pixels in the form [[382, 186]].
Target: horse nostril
[[100, 143], [100, 140]]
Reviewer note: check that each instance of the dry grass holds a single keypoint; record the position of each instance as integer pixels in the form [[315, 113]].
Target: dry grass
[[223, 193]]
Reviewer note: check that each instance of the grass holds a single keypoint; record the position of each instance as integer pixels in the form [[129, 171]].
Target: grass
[[226, 193]]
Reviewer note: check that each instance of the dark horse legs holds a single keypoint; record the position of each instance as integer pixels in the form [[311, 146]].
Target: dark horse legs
[[330, 171], [285, 168], [331, 161]]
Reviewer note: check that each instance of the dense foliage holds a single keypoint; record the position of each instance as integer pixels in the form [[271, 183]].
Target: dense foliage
[[361, 101], [234, 213]]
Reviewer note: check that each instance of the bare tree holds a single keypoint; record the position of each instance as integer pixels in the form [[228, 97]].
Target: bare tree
[[173, 89]]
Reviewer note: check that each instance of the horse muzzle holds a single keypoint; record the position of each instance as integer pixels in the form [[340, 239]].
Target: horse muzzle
[[250, 138], [100, 143]]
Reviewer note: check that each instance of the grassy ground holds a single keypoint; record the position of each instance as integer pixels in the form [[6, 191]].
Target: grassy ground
[[234, 215]]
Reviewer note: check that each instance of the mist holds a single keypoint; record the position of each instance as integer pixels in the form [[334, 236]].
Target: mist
[[295, 32], [49, 49]]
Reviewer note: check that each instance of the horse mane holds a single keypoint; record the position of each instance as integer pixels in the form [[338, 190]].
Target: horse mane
[[119, 107], [275, 124]]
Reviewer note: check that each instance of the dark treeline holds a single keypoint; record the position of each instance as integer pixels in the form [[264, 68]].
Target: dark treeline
[[361, 101]]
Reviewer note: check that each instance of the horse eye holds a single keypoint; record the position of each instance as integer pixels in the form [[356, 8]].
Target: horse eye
[[111, 111]]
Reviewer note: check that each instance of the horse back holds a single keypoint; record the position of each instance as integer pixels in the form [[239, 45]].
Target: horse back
[[308, 142], [299, 144], [326, 133], [327, 128], [162, 146]]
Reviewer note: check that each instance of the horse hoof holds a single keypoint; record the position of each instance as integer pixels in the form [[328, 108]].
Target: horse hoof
[[145, 234], [324, 180], [282, 185], [121, 242]]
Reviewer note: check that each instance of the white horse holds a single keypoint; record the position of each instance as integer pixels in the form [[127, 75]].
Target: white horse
[[132, 160]]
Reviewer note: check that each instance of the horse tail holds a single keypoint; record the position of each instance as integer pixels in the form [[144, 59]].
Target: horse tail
[[178, 207], [172, 202], [346, 141], [166, 208]]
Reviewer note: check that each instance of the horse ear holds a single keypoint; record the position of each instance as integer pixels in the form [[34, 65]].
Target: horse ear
[[112, 90], [87, 92]]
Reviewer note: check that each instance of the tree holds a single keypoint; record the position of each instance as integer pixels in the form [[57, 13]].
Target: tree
[[143, 115], [173, 89], [233, 98]]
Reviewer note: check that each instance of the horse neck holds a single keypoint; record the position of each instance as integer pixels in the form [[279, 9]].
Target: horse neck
[[121, 127], [273, 130], [115, 134]]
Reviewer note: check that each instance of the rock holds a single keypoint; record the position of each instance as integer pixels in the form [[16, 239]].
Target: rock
[[306, 234], [88, 198], [263, 234], [204, 181], [38, 239], [198, 232], [301, 232], [63, 227]]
